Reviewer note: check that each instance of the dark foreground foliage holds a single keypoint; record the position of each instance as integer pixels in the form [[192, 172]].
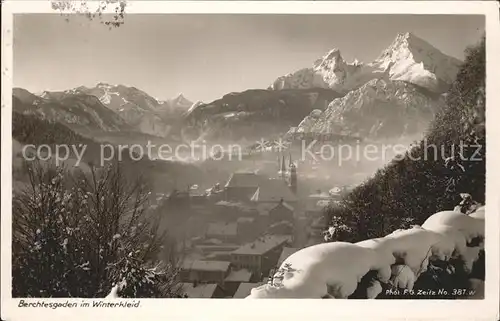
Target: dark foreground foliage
[[76, 235]]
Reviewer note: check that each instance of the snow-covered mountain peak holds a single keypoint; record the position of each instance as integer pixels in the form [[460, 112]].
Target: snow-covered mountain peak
[[332, 56], [181, 100], [103, 85], [330, 63], [408, 58], [405, 37], [179, 96], [406, 45]]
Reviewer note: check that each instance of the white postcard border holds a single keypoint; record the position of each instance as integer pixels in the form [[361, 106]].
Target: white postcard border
[[301, 309]]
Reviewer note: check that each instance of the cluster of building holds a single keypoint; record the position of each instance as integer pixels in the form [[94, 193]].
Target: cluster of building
[[247, 267], [243, 231]]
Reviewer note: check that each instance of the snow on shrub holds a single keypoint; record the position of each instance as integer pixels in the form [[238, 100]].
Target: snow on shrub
[[470, 226], [479, 213], [411, 247], [402, 277], [322, 269], [374, 289], [334, 270]]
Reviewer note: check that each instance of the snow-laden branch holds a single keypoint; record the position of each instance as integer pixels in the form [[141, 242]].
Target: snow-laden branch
[[113, 294], [334, 270]]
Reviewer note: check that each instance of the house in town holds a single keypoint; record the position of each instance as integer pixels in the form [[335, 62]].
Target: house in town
[[315, 203], [245, 186], [234, 279], [212, 247], [316, 230], [248, 228], [274, 191], [202, 291], [244, 290], [179, 199], [261, 255], [223, 231], [242, 185], [204, 271], [281, 212], [231, 210], [275, 218]]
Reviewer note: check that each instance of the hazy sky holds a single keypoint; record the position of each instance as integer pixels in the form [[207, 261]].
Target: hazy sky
[[207, 56]]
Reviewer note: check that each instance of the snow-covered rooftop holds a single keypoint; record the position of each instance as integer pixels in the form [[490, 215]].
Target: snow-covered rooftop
[[222, 229], [242, 275], [321, 195], [244, 179], [218, 255], [264, 208], [273, 190], [244, 290], [285, 205], [211, 266], [200, 291], [235, 206], [263, 244]]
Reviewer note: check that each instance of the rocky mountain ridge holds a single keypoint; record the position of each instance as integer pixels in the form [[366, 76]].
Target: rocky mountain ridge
[[396, 95], [378, 109], [408, 58], [125, 108]]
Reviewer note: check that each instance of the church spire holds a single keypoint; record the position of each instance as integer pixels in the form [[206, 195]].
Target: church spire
[[293, 178], [283, 167]]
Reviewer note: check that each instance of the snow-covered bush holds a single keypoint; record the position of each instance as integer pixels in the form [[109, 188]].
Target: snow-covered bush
[[75, 235], [396, 261], [337, 230], [140, 280], [402, 277], [323, 270]]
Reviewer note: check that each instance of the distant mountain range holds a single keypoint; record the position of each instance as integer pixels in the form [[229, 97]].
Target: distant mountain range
[[395, 95], [81, 112], [104, 108], [143, 112]]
